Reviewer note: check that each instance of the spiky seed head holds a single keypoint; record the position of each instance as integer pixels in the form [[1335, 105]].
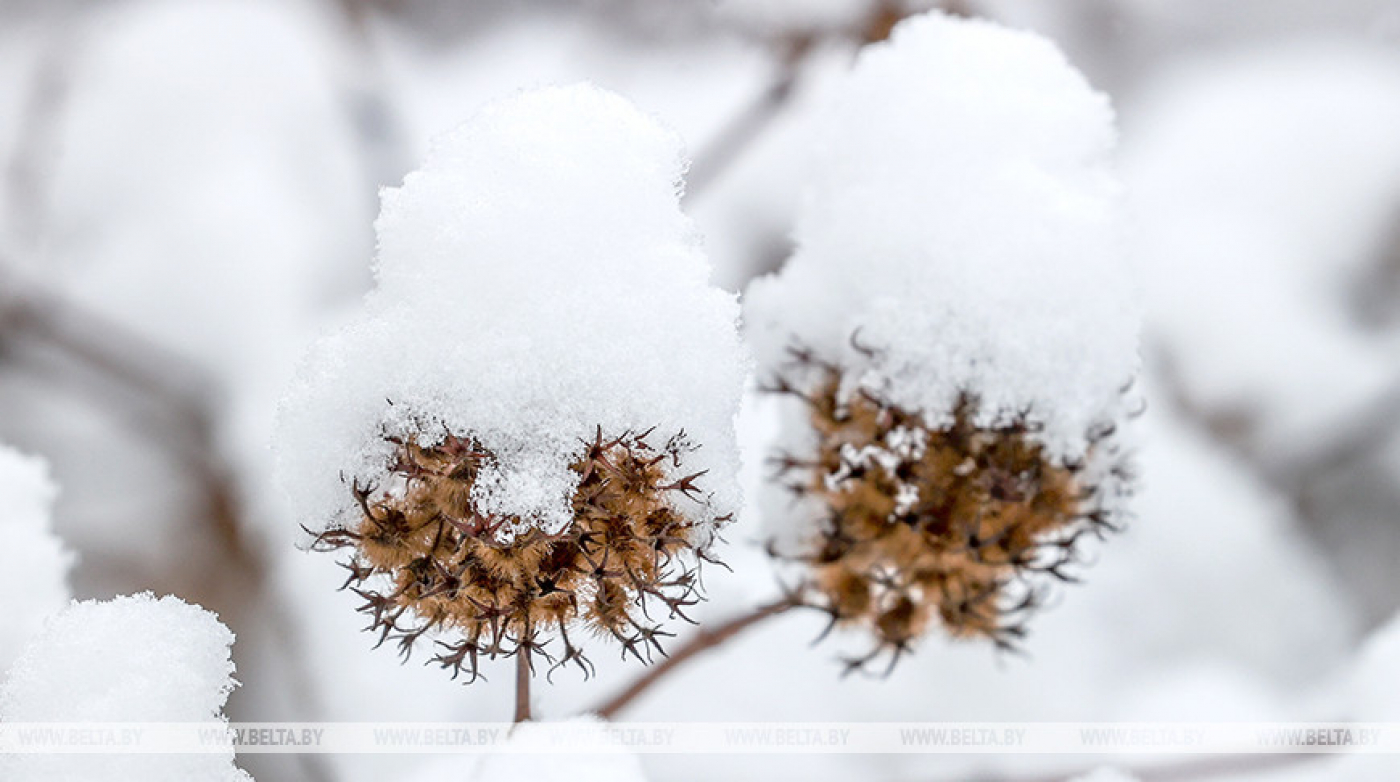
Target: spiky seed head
[[428, 562], [960, 525]]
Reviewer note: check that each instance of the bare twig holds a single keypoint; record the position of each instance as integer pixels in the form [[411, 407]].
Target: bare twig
[[750, 124], [702, 641]]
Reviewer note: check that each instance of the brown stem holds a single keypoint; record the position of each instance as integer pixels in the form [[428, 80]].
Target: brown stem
[[522, 686], [700, 642]]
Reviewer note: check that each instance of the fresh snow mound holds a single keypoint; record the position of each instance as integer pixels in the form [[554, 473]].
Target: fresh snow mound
[[132, 659], [537, 280], [963, 222], [33, 562]]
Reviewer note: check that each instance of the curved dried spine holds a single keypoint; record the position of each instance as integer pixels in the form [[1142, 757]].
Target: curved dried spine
[[427, 563], [962, 525]]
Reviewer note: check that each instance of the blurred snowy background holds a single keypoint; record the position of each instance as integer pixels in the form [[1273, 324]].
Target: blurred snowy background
[[186, 198]]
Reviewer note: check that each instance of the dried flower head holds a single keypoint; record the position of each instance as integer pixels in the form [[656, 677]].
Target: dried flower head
[[959, 525], [967, 319], [426, 559], [533, 477]]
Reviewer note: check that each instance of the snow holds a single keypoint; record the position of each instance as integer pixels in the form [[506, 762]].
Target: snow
[[34, 563], [1374, 687], [1266, 184], [132, 659], [1105, 774], [963, 221], [536, 280], [1219, 558], [1369, 692], [206, 167], [546, 767]]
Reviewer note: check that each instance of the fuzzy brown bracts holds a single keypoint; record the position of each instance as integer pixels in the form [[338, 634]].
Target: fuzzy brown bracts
[[961, 524], [425, 561]]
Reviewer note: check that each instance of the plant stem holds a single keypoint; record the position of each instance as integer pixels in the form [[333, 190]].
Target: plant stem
[[700, 642], [522, 686]]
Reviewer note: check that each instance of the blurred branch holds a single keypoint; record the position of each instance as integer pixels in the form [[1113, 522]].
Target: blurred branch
[[754, 119], [108, 349], [180, 396], [751, 123], [377, 126], [1366, 432], [24, 178]]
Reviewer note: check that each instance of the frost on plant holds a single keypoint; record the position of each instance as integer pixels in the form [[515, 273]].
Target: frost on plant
[[529, 430], [953, 341], [131, 659], [33, 562]]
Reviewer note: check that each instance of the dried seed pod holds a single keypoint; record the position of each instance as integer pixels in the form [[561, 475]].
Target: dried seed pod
[[536, 277], [427, 560], [961, 524], [966, 317]]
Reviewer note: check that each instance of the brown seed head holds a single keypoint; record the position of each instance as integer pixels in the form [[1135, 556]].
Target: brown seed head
[[956, 524], [426, 560]]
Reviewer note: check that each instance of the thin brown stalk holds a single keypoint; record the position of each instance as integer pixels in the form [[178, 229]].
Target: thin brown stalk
[[702, 641], [522, 686]]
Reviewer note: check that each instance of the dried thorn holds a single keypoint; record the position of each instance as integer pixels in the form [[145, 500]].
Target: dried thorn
[[686, 485], [358, 573], [864, 350], [332, 539]]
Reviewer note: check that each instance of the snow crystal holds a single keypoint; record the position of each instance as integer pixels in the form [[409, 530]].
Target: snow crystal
[[537, 280], [962, 233], [33, 561], [132, 659]]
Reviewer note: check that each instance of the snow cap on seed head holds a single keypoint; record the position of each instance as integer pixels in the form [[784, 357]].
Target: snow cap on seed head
[[963, 223], [537, 280], [951, 340]]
